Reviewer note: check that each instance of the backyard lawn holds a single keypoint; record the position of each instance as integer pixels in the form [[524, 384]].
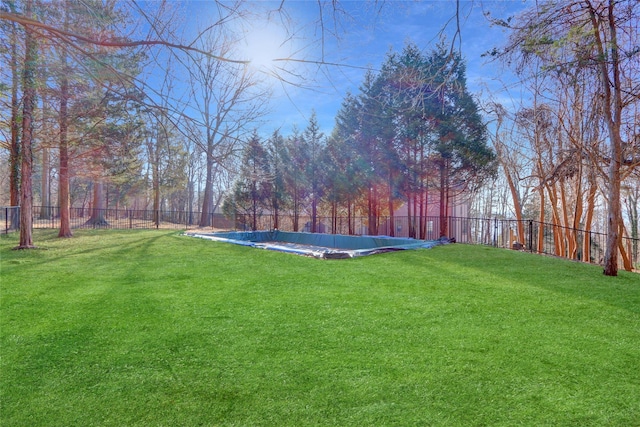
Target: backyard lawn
[[153, 328]]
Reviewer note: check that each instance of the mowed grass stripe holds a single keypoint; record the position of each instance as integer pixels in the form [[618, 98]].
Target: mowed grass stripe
[[155, 328]]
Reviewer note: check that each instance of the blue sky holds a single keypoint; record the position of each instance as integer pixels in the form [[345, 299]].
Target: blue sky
[[367, 31]]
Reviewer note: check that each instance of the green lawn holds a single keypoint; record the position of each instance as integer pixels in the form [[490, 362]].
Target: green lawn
[[151, 328]]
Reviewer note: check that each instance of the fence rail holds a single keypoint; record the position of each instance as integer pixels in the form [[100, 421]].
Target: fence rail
[[49, 217], [538, 237]]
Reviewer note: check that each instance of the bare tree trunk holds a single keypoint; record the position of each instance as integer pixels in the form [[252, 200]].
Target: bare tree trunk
[[571, 243], [14, 156], [190, 201], [156, 195], [154, 154], [515, 195], [205, 217], [334, 216], [254, 207], [373, 211], [64, 178], [296, 209], [410, 206], [613, 114], [370, 207], [614, 213], [555, 220], [392, 231], [423, 211], [349, 215], [591, 204], [45, 187], [444, 226], [632, 211], [45, 207], [541, 221], [97, 218], [28, 100], [276, 215], [624, 254], [419, 211], [577, 214], [314, 214]]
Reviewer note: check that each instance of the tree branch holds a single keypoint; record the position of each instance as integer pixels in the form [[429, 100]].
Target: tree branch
[[27, 22]]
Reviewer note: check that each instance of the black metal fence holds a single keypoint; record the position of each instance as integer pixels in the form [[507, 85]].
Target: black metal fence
[[530, 235], [538, 237], [49, 217]]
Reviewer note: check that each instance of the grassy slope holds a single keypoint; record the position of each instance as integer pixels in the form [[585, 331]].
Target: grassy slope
[[154, 328]]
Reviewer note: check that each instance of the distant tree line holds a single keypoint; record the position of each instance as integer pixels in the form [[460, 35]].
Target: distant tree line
[[413, 126], [107, 104]]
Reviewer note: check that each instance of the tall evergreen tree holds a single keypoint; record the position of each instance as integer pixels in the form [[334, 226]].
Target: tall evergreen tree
[[26, 149], [13, 57], [372, 155], [313, 143], [252, 190], [346, 179], [463, 158], [414, 114], [415, 125], [276, 159], [296, 160]]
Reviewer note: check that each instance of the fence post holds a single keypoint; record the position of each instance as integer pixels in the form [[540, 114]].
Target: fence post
[[130, 215], [495, 232]]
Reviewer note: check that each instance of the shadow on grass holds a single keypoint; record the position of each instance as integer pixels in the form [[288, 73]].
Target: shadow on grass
[[500, 266], [81, 243]]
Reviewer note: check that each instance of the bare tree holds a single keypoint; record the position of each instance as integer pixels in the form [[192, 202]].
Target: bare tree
[[28, 101], [605, 26], [602, 37], [513, 162], [13, 52], [227, 98]]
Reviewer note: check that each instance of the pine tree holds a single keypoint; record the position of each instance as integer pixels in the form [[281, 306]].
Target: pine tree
[[252, 190], [313, 145]]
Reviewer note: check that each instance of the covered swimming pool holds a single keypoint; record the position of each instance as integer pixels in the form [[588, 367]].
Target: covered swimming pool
[[318, 245]]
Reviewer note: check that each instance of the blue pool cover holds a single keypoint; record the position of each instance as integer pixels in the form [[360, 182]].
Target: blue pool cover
[[316, 244]]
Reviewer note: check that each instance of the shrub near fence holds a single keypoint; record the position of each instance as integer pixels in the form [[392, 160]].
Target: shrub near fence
[[544, 238]]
